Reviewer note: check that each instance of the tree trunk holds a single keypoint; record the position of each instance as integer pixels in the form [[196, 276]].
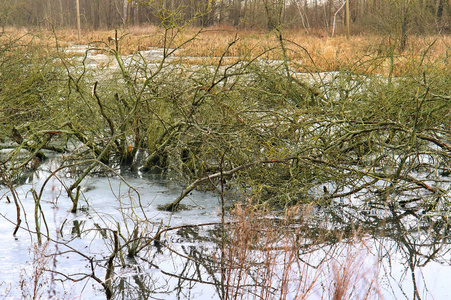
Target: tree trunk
[[78, 19], [404, 21], [124, 13], [347, 20], [439, 14]]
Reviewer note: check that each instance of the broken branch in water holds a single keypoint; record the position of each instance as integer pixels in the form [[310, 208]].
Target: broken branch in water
[[174, 205]]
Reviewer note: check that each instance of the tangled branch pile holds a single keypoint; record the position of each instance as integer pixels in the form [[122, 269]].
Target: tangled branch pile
[[273, 135]]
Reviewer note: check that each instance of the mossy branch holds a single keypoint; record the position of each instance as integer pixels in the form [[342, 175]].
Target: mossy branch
[[110, 267]]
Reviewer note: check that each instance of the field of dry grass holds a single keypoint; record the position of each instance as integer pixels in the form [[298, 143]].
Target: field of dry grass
[[315, 52]]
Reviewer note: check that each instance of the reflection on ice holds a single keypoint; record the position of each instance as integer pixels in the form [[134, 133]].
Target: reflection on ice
[[190, 254]]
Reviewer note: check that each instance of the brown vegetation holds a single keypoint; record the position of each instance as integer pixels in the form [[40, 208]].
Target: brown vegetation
[[269, 257], [307, 52]]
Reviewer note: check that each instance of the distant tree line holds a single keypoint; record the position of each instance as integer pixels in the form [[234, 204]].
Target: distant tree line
[[402, 16]]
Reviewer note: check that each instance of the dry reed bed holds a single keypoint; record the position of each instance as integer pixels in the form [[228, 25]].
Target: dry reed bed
[[307, 53], [276, 258]]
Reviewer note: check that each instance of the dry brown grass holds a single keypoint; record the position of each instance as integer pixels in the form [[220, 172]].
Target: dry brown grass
[[37, 282], [361, 53], [274, 258]]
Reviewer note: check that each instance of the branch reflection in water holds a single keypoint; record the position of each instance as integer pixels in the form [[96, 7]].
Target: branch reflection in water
[[264, 256]]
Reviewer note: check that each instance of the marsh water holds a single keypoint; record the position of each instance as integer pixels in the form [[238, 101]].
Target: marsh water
[[405, 255], [107, 203]]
